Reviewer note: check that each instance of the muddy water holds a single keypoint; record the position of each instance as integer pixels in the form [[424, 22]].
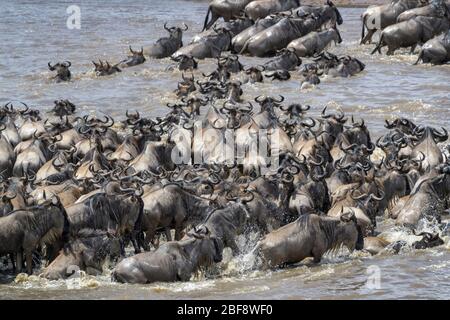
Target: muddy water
[[33, 33]]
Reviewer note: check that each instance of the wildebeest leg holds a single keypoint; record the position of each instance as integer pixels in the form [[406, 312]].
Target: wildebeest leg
[[317, 255], [413, 48], [368, 36], [29, 261], [141, 241], [135, 243], [11, 257], [168, 234], [122, 247], [19, 261], [234, 247]]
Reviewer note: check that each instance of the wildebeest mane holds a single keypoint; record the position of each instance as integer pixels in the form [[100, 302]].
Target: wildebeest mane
[[328, 227]]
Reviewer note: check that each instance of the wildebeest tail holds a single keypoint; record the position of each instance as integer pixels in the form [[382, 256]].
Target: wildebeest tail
[[378, 46], [206, 18], [363, 27]]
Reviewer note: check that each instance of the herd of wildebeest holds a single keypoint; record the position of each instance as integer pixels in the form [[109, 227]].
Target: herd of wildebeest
[[79, 190]]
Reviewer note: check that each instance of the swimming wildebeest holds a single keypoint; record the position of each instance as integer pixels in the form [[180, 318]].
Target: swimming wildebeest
[[165, 47], [62, 70], [136, 57], [172, 261], [309, 236]]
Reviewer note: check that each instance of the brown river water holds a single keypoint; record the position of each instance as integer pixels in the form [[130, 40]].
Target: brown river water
[[34, 32]]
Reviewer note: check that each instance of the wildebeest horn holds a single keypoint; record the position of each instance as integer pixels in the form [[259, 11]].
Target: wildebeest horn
[[185, 27], [379, 198], [280, 100], [5, 196], [357, 197], [324, 115], [68, 64], [442, 136], [165, 26], [357, 124], [258, 99], [321, 161], [50, 66], [131, 50], [309, 125]]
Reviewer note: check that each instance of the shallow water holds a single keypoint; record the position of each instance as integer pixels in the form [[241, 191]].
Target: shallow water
[[33, 33]]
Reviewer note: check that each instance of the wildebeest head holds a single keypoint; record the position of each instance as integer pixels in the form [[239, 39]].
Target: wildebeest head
[[185, 62], [230, 63], [359, 134], [207, 248], [254, 73], [176, 32], [404, 125], [281, 75], [136, 57], [104, 68], [186, 86], [268, 103], [339, 19], [350, 232], [335, 122], [428, 240], [62, 70], [63, 108]]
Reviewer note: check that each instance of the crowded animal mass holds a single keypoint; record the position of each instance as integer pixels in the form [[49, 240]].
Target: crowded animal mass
[[232, 169]]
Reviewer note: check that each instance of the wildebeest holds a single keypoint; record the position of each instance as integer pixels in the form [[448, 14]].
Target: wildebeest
[[314, 42], [436, 8], [279, 35], [136, 57], [165, 47], [239, 40], [172, 261], [62, 70], [427, 199], [105, 68], [262, 8], [21, 231], [209, 46], [286, 59], [374, 245], [87, 252], [411, 32], [309, 236], [428, 240], [379, 17], [228, 9], [63, 108], [436, 50], [282, 75]]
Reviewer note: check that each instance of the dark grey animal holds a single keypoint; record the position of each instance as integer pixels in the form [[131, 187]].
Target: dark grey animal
[[410, 33], [62, 70], [436, 50], [172, 261], [165, 47]]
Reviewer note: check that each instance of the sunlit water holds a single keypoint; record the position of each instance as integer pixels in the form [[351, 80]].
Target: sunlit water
[[34, 32]]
